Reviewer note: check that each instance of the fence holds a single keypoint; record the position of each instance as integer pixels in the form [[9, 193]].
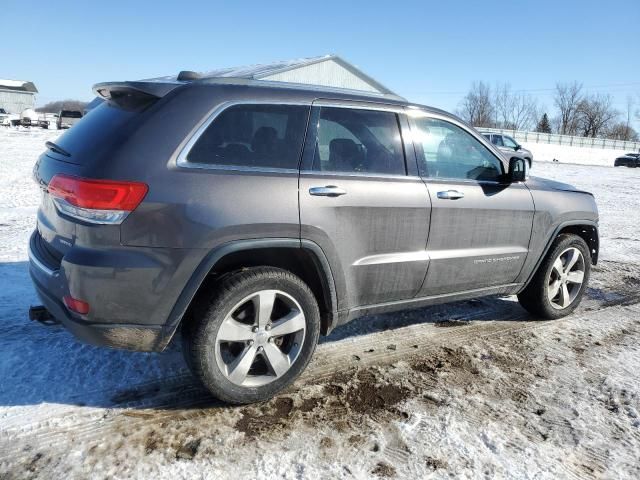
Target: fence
[[568, 140]]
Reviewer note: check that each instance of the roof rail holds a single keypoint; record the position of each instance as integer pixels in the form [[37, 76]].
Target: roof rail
[[296, 86]]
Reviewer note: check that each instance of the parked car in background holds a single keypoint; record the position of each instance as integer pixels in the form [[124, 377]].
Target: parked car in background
[[628, 160], [9, 119], [29, 117], [255, 218], [47, 120], [508, 145], [68, 118], [4, 117]]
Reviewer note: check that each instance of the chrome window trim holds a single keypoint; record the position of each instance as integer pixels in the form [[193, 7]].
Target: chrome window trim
[[195, 134], [359, 105], [362, 175], [187, 144]]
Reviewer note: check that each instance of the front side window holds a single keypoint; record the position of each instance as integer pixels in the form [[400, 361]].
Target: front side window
[[509, 142], [451, 152], [359, 141], [261, 136]]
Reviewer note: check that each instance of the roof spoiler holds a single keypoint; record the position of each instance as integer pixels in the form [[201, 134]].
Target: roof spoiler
[[133, 94], [106, 90]]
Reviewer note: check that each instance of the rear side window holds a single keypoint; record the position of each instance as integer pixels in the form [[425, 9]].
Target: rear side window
[[359, 141], [262, 136]]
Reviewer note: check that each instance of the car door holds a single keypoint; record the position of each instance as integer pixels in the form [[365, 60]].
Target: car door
[[363, 203], [480, 226]]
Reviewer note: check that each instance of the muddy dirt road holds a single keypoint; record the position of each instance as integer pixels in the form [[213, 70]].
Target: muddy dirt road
[[485, 392]]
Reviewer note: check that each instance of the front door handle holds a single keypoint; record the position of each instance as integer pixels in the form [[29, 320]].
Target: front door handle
[[450, 195], [328, 191]]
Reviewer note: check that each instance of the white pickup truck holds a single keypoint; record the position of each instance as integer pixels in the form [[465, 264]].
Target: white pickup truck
[[68, 118], [8, 119]]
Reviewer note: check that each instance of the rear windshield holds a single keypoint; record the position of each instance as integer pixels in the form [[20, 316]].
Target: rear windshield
[[104, 124], [71, 114]]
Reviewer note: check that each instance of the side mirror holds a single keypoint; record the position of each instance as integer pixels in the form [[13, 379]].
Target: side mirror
[[517, 147], [518, 170]]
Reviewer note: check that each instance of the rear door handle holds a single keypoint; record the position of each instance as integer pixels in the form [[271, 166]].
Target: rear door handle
[[450, 195], [328, 191]]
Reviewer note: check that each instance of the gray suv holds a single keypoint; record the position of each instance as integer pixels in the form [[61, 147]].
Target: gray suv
[[509, 146], [255, 216]]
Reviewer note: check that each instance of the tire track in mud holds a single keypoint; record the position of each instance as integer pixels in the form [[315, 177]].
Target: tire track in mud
[[97, 424], [158, 402]]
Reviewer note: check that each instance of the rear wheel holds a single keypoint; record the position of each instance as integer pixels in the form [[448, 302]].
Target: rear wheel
[[254, 336], [559, 284]]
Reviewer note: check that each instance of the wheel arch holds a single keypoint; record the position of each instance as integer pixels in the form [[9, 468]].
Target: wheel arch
[[585, 229], [302, 258]]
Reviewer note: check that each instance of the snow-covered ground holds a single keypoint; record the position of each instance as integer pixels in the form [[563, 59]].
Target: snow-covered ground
[[544, 152], [473, 389]]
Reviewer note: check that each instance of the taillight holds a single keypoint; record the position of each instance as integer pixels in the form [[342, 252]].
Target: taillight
[[96, 201]]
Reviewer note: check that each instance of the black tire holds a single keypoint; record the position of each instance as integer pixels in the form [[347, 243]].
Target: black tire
[[534, 297], [208, 314]]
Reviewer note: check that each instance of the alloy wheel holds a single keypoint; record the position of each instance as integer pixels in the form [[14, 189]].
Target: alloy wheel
[[260, 338], [566, 278]]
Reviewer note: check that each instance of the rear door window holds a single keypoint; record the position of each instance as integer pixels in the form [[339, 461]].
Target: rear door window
[[359, 141], [260, 136]]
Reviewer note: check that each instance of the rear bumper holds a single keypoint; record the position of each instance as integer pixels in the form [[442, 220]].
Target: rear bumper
[[130, 337], [125, 307]]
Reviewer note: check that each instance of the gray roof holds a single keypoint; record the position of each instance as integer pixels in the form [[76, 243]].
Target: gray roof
[[18, 86], [260, 71]]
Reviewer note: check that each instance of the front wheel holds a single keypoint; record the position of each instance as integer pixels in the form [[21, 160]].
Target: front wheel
[[254, 336], [561, 280]]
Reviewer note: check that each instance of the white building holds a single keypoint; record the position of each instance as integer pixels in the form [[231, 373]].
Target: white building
[[327, 71], [17, 95]]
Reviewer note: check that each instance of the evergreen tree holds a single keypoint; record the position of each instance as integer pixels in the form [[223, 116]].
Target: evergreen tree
[[543, 125]]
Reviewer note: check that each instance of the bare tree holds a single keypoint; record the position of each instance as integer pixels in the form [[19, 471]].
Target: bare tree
[[476, 107], [621, 131], [630, 105], [567, 98], [515, 110], [55, 107], [595, 115]]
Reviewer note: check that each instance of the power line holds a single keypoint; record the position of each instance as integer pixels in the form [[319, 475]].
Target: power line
[[527, 90]]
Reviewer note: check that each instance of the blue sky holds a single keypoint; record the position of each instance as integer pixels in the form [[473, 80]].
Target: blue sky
[[429, 52]]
